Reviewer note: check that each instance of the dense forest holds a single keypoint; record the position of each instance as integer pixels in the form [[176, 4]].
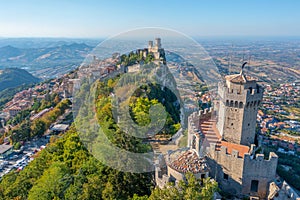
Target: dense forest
[[65, 169]]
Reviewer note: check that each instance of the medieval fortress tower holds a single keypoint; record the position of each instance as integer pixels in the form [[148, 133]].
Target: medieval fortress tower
[[221, 142], [240, 97], [155, 49], [235, 161]]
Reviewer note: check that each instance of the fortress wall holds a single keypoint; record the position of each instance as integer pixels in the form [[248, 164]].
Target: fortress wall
[[242, 171], [222, 165], [193, 127], [193, 123], [175, 174], [261, 170]]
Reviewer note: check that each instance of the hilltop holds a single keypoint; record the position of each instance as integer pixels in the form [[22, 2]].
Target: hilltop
[[13, 77]]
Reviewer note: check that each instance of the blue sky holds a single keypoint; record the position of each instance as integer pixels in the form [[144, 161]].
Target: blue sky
[[96, 18]]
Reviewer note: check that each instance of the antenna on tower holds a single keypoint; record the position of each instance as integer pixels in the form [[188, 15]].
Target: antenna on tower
[[249, 58], [230, 60], [243, 56]]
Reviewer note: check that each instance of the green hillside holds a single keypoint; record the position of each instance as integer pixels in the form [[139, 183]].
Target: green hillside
[[66, 170], [13, 77]]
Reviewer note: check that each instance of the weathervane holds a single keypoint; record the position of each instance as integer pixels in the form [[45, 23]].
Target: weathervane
[[243, 66]]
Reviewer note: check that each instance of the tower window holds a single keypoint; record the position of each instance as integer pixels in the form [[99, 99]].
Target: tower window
[[254, 185], [241, 104], [250, 88], [227, 103], [225, 176], [236, 104]]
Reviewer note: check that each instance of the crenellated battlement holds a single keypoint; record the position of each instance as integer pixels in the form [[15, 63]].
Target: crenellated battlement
[[234, 153], [240, 94], [195, 117], [195, 135], [206, 113], [228, 153], [261, 158]]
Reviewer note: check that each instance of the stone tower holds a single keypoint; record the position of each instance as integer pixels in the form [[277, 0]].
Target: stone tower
[[240, 96], [150, 44], [158, 43]]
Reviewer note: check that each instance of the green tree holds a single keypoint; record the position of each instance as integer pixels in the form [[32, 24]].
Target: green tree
[[38, 127], [52, 183], [192, 189], [141, 109]]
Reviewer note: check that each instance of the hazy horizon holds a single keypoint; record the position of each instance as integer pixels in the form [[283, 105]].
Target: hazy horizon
[[101, 19]]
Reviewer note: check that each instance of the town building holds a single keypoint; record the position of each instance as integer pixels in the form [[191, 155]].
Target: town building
[[5, 150]]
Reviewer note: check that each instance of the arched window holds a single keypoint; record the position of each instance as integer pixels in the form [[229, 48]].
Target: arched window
[[250, 88], [241, 105], [231, 103], [236, 104], [227, 102]]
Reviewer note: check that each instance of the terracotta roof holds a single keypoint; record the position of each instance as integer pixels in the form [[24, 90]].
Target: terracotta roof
[[242, 149], [15, 108], [187, 161]]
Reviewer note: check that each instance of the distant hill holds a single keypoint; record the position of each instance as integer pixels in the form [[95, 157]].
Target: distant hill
[[18, 56], [13, 77], [45, 62]]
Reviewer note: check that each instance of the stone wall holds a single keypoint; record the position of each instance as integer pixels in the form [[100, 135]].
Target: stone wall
[[194, 134], [226, 169], [235, 174], [261, 170]]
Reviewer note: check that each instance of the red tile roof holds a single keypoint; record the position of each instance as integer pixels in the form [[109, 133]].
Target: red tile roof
[[242, 149]]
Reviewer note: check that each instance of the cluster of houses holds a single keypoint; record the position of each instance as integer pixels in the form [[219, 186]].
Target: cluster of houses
[[97, 68], [284, 146], [21, 101], [269, 120], [289, 92]]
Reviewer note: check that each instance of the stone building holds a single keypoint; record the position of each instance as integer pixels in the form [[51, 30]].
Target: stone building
[[240, 97], [154, 49], [173, 166], [229, 135]]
